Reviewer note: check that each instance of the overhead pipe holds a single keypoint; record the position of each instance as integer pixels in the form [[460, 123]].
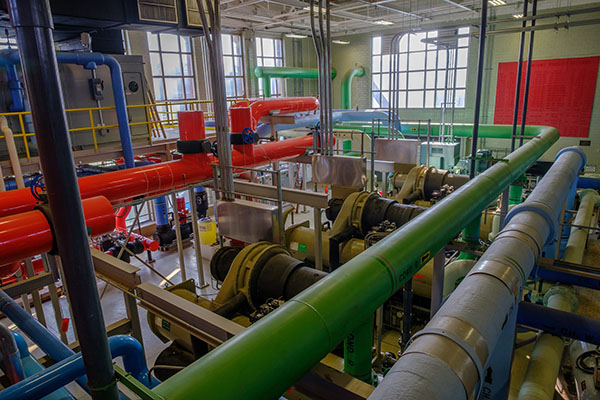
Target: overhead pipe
[[91, 60], [263, 107], [67, 370], [266, 73], [32, 21], [454, 347], [346, 88], [310, 325]]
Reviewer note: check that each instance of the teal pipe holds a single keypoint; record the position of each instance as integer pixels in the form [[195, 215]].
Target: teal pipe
[[269, 357], [346, 89], [358, 352], [266, 73]]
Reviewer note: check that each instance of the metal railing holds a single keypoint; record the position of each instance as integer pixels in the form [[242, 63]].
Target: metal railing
[[159, 115]]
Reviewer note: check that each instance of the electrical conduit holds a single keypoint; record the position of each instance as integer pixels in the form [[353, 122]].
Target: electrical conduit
[[310, 325]]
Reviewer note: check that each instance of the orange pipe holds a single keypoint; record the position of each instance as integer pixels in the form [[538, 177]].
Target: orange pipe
[[28, 234], [263, 107]]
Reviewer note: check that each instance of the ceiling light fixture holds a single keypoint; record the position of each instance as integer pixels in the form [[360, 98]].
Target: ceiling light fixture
[[383, 22], [295, 36], [337, 41], [518, 16], [497, 3]]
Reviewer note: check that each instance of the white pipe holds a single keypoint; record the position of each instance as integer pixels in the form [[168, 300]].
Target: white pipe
[[543, 368], [12, 153], [464, 332]]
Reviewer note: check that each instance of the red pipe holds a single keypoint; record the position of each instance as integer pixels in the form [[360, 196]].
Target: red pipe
[[120, 186], [27, 234], [121, 218], [262, 107]]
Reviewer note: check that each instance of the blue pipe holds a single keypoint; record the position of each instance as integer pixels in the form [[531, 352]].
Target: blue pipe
[[161, 210], [31, 366], [588, 183], [39, 334], [559, 323], [338, 116], [67, 370], [16, 89], [90, 60]]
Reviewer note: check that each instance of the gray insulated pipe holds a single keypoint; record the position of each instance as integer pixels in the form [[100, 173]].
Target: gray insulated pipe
[[446, 359]]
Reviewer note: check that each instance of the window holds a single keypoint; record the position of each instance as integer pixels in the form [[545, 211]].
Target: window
[[172, 66], [233, 65], [428, 70], [269, 53], [10, 43]]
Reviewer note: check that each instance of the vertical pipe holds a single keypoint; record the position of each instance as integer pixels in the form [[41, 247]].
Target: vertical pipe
[[518, 85], [437, 283], [358, 352], [318, 240], [480, 62], [178, 236], [407, 294], [528, 74], [32, 21], [197, 245]]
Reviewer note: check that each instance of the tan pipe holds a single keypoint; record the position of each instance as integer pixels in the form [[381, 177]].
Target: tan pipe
[[578, 237], [12, 153]]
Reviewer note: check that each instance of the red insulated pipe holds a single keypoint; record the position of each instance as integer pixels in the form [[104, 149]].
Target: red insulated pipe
[[263, 107], [120, 186], [27, 234]]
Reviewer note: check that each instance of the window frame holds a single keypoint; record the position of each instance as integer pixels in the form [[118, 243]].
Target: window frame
[[182, 76], [277, 84], [239, 93], [425, 90]]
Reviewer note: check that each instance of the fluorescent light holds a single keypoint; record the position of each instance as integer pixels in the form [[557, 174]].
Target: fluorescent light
[[518, 16], [316, 9], [336, 41], [295, 36], [497, 3], [383, 22]]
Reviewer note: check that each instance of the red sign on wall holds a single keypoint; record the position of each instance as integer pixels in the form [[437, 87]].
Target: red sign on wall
[[561, 94]]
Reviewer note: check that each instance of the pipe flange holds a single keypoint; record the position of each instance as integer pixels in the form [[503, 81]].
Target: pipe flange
[[194, 146], [576, 150], [44, 208], [507, 271], [359, 207], [464, 330], [522, 235], [562, 290], [541, 209], [461, 358]]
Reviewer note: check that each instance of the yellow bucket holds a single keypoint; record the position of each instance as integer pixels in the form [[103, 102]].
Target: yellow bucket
[[208, 231]]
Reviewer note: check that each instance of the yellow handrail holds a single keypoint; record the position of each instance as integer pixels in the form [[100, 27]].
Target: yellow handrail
[[166, 110]]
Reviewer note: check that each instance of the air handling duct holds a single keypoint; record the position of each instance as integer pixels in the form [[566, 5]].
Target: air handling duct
[[454, 347], [273, 354]]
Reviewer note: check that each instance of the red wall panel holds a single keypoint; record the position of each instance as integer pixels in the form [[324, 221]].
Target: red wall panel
[[561, 94]]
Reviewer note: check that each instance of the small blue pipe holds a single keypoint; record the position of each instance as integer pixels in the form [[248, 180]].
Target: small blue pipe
[[16, 89], [161, 210], [67, 370]]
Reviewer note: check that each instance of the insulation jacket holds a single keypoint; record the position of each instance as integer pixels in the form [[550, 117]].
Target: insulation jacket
[[27, 234]]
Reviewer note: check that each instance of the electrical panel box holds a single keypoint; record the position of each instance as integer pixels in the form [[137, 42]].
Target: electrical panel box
[[442, 155], [260, 221]]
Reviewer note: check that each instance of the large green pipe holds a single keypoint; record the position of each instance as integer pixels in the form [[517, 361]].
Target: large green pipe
[[268, 358], [346, 89], [266, 73]]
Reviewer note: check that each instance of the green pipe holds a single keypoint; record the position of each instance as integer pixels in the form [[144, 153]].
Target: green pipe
[[358, 352], [515, 194], [470, 236], [266, 73], [346, 89], [460, 130], [269, 357]]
